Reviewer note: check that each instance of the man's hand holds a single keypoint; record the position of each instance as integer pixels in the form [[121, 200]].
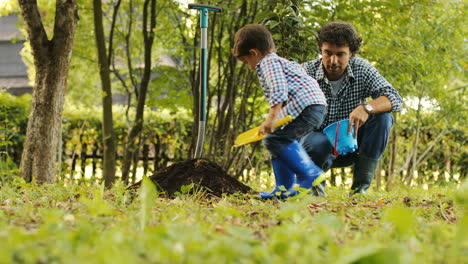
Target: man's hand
[[357, 118], [359, 115]]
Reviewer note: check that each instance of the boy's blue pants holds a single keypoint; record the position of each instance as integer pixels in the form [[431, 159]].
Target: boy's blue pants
[[309, 120]]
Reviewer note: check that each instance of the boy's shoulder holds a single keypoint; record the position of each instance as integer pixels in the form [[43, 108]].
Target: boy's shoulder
[[272, 60], [271, 57], [313, 65]]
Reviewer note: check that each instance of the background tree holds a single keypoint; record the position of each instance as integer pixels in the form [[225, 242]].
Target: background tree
[[148, 31], [104, 72], [51, 61]]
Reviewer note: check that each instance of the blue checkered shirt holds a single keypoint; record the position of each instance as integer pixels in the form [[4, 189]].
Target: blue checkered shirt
[[286, 81], [362, 81]]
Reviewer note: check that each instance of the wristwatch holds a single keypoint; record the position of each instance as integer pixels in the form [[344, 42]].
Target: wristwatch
[[368, 108]]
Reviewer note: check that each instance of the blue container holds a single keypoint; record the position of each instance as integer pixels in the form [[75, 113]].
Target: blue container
[[345, 143]]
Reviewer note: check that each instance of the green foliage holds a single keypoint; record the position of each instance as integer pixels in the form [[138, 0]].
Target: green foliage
[[147, 196], [461, 198], [401, 218], [82, 128], [286, 23], [127, 56], [8, 7], [78, 223], [13, 121], [96, 205]]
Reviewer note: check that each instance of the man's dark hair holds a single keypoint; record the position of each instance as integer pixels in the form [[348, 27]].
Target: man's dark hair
[[339, 33], [253, 36]]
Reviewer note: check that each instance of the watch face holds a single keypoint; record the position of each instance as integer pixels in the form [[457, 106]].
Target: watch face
[[368, 108]]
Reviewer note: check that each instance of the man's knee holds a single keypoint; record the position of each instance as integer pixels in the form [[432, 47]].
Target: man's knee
[[374, 137], [382, 121]]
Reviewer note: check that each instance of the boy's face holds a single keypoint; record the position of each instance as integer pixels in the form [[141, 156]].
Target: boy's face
[[335, 60], [252, 59]]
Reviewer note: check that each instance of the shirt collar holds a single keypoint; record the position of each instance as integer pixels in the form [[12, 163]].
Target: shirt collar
[[257, 67]]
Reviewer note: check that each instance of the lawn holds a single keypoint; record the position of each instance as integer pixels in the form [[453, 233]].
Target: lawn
[[87, 224]]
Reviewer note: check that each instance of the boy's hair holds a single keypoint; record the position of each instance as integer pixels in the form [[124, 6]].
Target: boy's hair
[[339, 33], [253, 36]]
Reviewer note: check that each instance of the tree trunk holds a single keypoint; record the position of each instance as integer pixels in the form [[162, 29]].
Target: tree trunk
[[107, 120], [378, 176], [332, 177], [413, 168], [343, 176], [131, 146], [52, 61], [393, 151]]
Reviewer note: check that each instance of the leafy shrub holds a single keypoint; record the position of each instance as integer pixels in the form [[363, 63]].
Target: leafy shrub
[[13, 123], [169, 132]]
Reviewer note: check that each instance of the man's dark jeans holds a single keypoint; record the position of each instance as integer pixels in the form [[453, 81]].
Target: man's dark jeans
[[372, 141]]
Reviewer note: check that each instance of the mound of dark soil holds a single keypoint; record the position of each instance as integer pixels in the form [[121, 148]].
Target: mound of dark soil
[[203, 174]]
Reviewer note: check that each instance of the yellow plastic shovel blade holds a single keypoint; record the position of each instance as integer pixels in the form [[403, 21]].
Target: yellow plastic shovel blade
[[252, 134]]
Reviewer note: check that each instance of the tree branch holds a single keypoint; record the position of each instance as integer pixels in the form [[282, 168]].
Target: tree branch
[[66, 15], [36, 32], [111, 34]]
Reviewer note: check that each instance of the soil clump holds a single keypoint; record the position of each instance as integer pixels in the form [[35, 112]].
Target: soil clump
[[205, 175]]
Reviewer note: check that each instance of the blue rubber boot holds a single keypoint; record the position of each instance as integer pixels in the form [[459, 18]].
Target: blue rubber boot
[[307, 173], [284, 180]]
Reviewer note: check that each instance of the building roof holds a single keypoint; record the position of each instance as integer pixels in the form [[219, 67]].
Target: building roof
[[8, 29], [14, 82], [13, 75]]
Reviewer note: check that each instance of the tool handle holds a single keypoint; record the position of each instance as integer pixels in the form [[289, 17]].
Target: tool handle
[[283, 121], [209, 7], [252, 135]]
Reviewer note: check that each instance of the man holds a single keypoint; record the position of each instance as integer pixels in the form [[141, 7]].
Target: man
[[347, 82]]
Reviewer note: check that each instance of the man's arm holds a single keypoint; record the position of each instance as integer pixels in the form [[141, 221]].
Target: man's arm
[[359, 115], [380, 87], [386, 99]]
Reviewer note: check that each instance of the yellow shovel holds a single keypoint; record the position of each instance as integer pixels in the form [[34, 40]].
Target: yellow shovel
[[252, 135]]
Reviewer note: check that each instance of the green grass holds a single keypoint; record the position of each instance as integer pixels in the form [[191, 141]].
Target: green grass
[[85, 224]]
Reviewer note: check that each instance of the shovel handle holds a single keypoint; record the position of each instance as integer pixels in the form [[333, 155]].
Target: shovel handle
[[252, 134], [209, 7]]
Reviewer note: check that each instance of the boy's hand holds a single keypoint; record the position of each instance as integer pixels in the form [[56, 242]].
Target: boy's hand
[[267, 127]]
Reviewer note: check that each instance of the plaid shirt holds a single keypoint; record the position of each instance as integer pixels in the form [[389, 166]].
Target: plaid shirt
[[286, 81], [362, 80]]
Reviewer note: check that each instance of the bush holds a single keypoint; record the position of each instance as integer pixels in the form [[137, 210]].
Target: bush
[[168, 133], [13, 123]]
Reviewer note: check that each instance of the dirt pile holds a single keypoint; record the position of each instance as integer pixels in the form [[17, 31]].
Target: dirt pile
[[204, 174]]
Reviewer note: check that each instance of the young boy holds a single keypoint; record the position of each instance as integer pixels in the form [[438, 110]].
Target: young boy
[[289, 91]]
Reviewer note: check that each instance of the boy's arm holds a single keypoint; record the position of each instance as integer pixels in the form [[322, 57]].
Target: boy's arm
[[268, 125], [275, 81]]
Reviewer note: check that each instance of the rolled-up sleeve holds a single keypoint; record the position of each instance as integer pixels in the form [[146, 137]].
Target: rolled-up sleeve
[[379, 86], [275, 81]]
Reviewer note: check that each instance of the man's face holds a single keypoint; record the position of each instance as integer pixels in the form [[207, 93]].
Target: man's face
[[335, 60]]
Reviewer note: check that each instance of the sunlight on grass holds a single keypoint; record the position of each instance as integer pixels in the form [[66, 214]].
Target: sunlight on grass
[[87, 224]]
